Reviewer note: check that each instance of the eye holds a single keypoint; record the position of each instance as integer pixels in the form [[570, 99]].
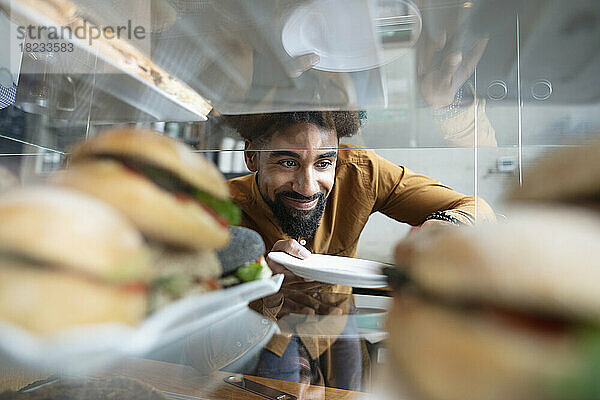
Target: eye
[[324, 164], [288, 163]]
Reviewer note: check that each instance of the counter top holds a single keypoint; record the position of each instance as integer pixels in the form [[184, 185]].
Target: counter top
[[186, 380]]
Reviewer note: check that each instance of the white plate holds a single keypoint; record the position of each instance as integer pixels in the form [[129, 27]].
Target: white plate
[[88, 348], [343, 41], [344, 34], [334, 269]]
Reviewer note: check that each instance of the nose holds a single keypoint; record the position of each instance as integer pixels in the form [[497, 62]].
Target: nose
[[306, 182]]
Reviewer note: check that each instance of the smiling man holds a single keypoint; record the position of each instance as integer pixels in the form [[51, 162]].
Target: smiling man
[[311, 194]]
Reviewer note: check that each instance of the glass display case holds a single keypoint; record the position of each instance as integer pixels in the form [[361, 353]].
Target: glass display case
[[471, 93]]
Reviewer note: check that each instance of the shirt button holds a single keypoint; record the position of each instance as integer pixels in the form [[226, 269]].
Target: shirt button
[[303, 242]]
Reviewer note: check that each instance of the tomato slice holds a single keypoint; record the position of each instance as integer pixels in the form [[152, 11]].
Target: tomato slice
[[134, 171], [212, 284], [183, 197], [134, 287]]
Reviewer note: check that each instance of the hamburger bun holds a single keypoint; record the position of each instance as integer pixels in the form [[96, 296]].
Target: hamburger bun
[[534, 261], [67, 259], [77, 232], [45, 301], [569, 174]]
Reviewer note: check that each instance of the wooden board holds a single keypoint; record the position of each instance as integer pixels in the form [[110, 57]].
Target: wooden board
[[186, 380]]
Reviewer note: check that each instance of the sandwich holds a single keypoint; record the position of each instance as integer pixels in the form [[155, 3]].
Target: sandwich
[[67, 259], [172, 194], [175, 197], [505, 311]]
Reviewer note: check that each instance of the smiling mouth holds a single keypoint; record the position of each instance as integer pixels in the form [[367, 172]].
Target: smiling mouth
[[300, 204]]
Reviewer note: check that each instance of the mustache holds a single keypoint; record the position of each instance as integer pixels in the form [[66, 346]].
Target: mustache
[[298, 196]]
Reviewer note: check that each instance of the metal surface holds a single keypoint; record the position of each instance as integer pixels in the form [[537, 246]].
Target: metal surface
[[51, 89]]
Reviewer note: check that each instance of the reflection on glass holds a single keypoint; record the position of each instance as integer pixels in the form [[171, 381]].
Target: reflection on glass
[[320, 342]]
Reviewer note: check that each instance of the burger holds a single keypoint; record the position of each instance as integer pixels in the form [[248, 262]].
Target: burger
[[67, 259], [177, 199], [504, 311], [242, 260]]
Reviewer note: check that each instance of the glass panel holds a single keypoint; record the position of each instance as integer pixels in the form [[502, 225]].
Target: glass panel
[[473, 94]]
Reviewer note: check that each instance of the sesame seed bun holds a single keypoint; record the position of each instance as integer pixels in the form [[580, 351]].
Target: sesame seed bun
[[159, 150]]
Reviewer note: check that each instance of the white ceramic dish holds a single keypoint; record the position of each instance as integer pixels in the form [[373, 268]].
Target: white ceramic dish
[[334, 269], [91, 347]]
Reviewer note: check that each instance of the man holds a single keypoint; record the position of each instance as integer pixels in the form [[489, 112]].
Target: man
[[311, 194]]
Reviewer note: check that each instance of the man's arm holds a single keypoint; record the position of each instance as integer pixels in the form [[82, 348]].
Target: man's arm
[[409, 197]]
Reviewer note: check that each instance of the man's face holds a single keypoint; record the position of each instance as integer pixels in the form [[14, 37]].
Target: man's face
[[296, 175]]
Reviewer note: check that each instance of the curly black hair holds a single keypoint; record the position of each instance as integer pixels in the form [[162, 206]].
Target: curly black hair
[[258, 128]]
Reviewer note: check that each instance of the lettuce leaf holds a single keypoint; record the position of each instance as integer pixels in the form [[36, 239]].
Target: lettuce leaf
[[253, 272], [584, 382], [225, 209]]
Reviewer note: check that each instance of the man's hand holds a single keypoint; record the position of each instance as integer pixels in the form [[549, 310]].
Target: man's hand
[[439, 83], [297, 294], [293, 248], [300, 64], [443, 64]]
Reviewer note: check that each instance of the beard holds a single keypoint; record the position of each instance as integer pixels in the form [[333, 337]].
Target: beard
[[294, 222]]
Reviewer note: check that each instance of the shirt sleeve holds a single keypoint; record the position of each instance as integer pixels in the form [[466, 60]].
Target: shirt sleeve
[[408, 197], [459, 131]]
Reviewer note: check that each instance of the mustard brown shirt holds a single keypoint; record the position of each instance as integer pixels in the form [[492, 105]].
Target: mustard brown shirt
[[365, 183]]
